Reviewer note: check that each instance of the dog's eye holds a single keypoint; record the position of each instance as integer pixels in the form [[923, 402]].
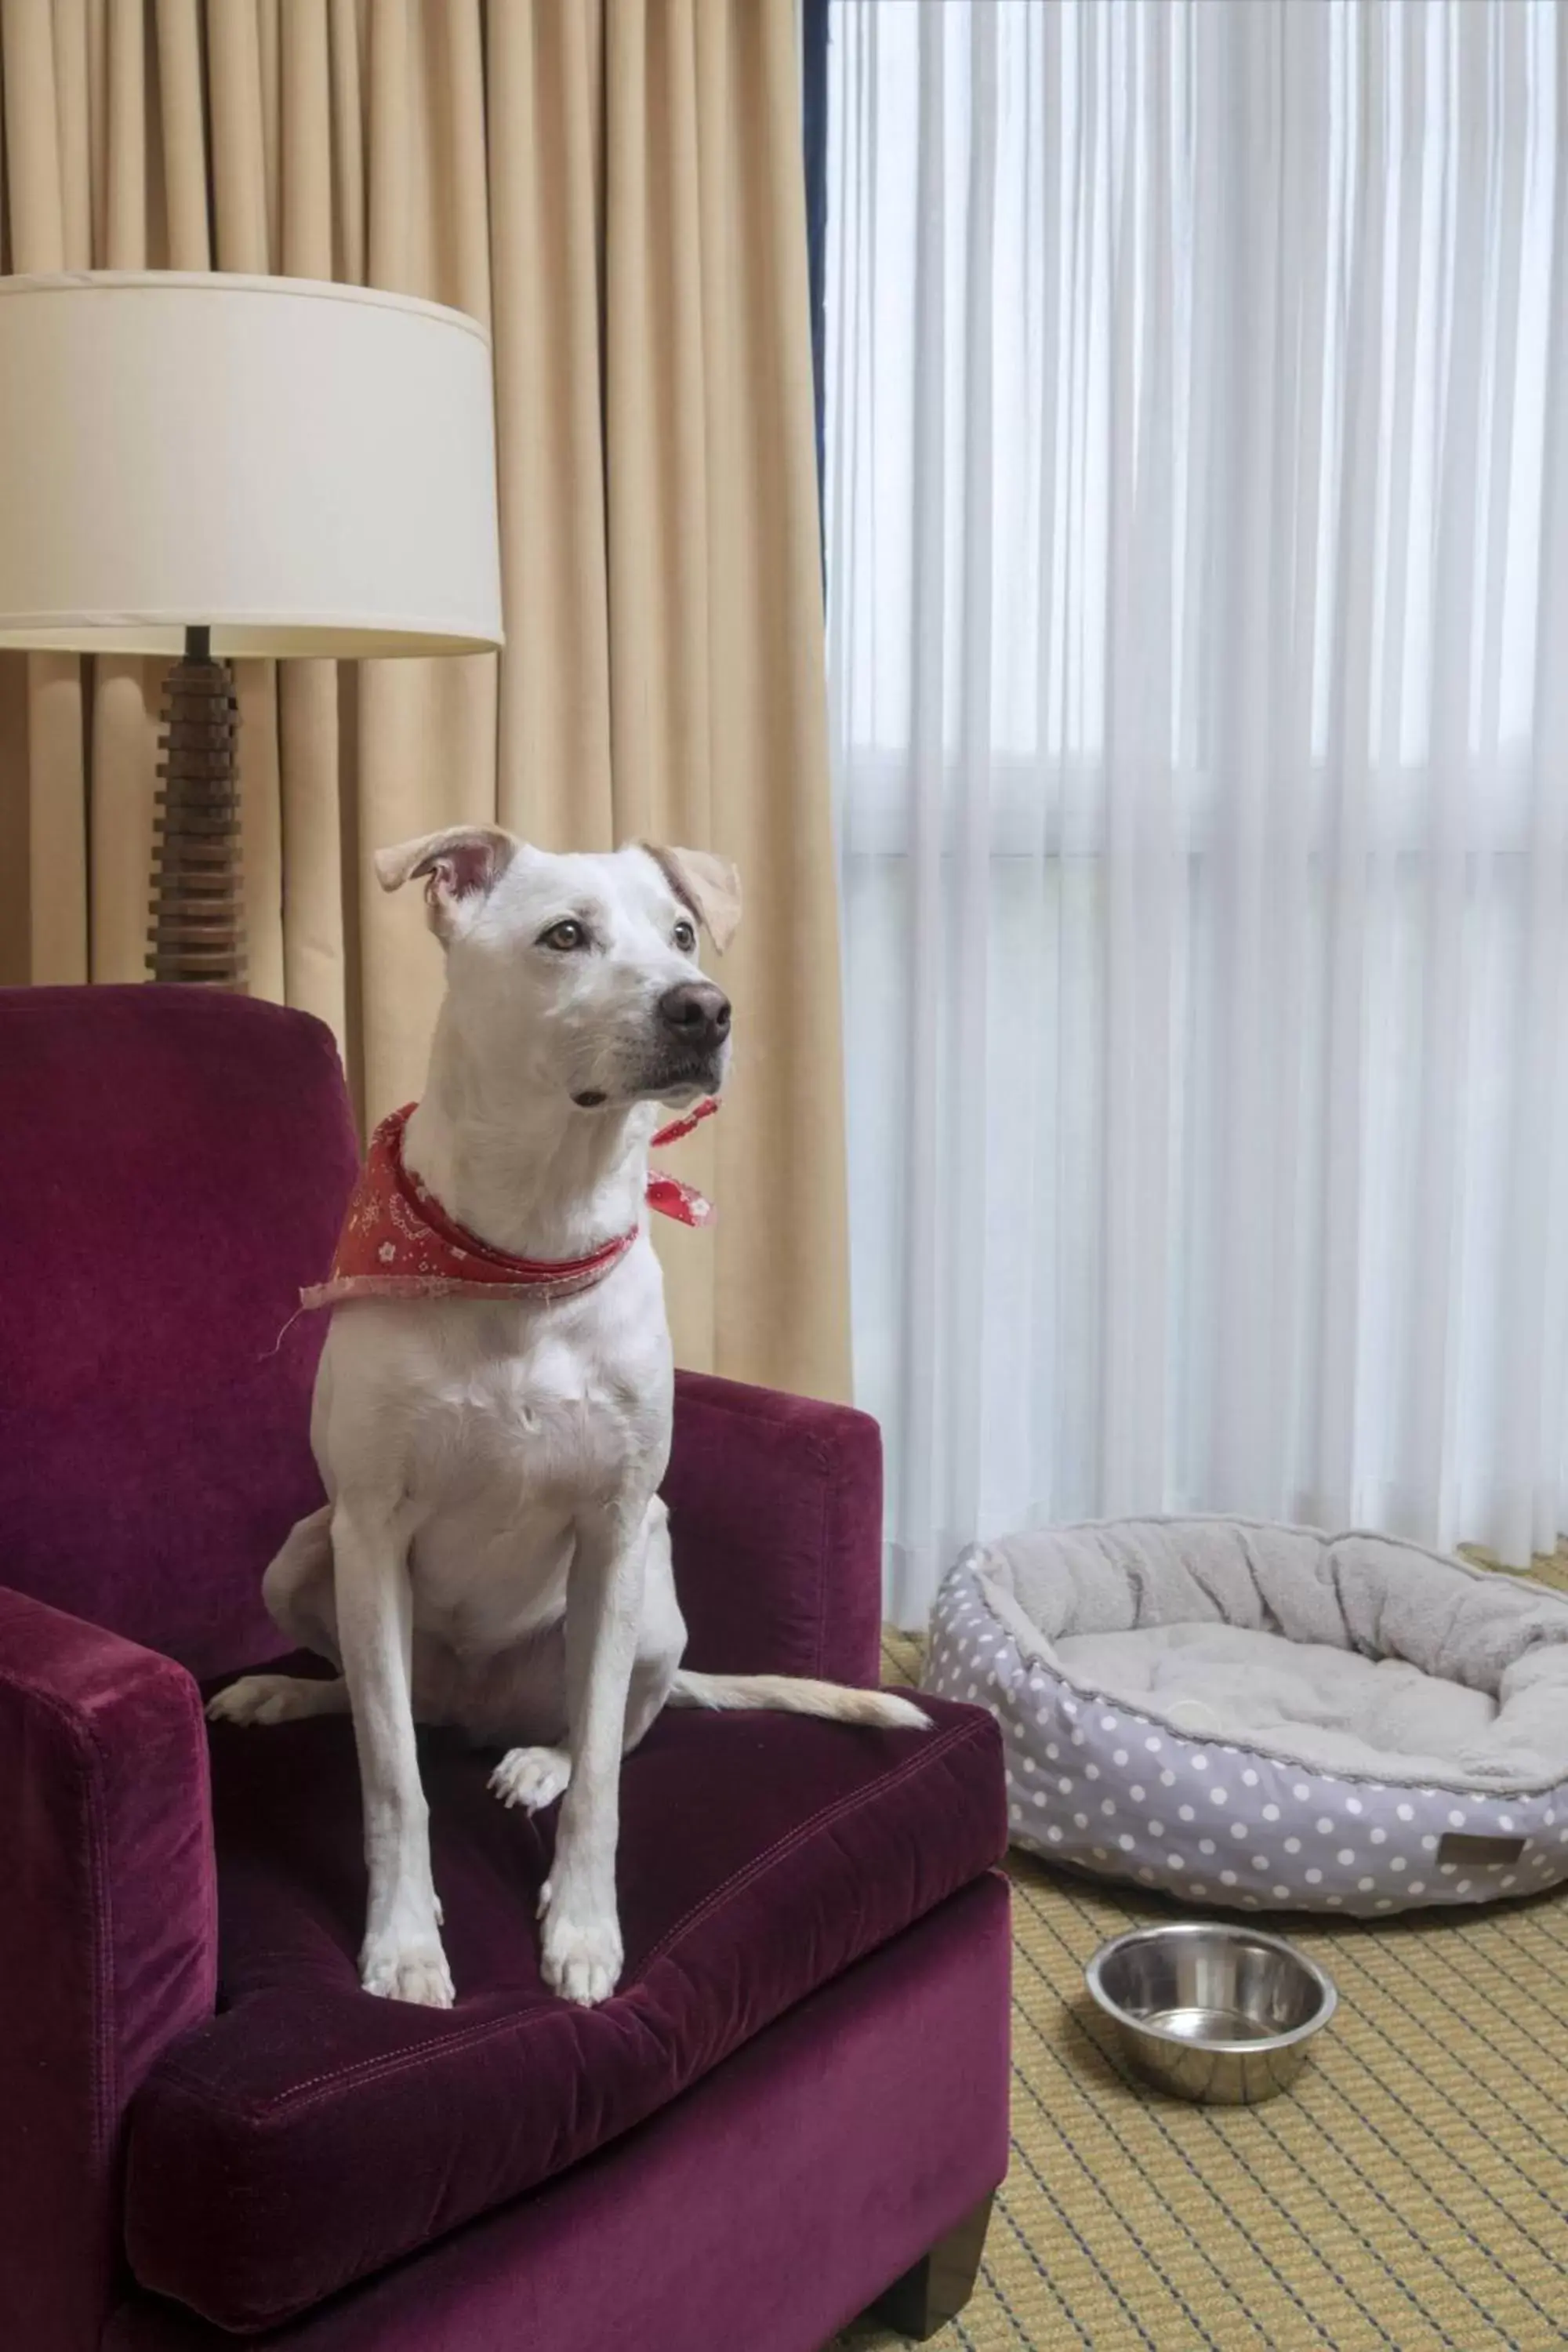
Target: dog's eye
[[564, 937], [685, 936]]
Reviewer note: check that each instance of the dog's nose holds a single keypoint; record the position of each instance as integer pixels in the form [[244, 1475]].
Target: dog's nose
[[696, 1013]]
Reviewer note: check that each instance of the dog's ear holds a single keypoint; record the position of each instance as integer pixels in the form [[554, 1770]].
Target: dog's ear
[[709, 885], [460, 865]]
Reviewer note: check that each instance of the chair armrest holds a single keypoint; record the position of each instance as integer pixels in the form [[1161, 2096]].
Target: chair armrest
[[107, 1942], [775, 1507]]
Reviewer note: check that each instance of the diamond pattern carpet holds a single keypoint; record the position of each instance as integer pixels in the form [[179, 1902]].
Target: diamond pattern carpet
[[1409, 2194]]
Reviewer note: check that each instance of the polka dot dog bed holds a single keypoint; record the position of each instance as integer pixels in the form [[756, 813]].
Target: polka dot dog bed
[[1261, 1715]]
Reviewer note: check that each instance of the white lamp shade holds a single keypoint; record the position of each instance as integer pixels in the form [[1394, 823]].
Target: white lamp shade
[[302, 468]]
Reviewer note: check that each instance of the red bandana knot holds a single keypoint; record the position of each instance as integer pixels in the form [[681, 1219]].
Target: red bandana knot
[[397, 1242]]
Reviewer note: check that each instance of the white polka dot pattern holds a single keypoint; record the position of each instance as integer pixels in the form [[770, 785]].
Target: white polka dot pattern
[[1357, 1841]]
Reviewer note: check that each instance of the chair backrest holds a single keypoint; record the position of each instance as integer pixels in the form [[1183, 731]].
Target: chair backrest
[[174, 1165]]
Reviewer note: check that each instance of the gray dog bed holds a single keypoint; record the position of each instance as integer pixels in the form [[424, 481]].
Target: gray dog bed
[[1265, 1716]]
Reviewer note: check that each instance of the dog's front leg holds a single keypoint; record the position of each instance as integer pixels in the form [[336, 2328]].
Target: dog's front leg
[[402, 1955], [582, 1932]]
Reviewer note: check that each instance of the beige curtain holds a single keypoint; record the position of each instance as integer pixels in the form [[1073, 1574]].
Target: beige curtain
[[614, 186]]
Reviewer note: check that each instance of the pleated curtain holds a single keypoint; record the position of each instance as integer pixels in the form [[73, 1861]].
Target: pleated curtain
[[613, 186], [1197, 518]]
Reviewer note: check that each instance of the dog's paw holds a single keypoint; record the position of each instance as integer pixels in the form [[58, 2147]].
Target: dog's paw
[[531, 1777], [271, 1698], [582, 1955], [410, 1967]]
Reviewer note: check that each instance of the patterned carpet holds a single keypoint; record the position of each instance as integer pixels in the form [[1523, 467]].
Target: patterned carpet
[[1409, 2195]]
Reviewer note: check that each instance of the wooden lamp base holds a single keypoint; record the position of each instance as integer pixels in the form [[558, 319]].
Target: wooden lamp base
[[197, 930]]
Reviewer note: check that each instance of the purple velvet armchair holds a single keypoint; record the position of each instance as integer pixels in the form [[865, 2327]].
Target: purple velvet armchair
[[796, 2103]]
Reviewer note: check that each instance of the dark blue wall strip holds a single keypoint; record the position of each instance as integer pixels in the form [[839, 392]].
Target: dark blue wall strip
[[813, 110]]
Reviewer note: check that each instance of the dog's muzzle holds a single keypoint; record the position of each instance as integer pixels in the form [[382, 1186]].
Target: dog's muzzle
[[692, 1035]]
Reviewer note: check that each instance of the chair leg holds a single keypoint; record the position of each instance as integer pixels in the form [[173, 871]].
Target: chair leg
[[940, 2284]]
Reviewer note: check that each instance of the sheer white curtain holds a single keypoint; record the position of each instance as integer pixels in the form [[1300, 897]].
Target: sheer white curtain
[[1197, 514]]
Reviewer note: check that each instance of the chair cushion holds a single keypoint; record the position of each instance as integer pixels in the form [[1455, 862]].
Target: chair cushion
[[309, 2134]]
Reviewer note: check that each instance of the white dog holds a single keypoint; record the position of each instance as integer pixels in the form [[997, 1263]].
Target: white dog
[[494, 1554]]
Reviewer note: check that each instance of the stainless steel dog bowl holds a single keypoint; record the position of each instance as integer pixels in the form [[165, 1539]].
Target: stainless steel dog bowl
[[1211, 2011]]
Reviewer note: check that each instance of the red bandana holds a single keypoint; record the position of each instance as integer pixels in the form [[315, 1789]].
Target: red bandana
[[397, 1240]]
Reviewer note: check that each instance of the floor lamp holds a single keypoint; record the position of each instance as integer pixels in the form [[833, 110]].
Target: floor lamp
[[210, 466]]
